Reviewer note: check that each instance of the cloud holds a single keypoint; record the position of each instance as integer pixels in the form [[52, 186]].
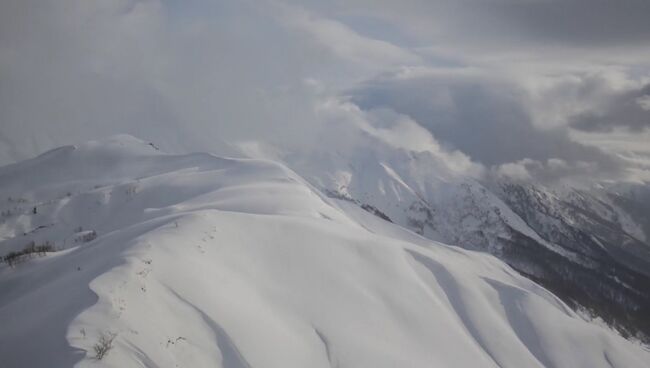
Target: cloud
[[347, 131], [491, 83], [627, 110], [592, 23], [551, 171], [483, 116], [196, 77], [345, 43], [189, 79]]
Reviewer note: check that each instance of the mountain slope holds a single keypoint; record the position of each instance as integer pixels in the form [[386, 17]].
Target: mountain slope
[[588, 246], [609, 271], [198, 261]]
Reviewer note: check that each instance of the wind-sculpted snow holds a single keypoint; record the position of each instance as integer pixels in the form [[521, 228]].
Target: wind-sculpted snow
[[588, 246], [199, 261]]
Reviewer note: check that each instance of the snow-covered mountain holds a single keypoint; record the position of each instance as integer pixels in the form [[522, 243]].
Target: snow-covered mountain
[[588, 246], [200, 261]]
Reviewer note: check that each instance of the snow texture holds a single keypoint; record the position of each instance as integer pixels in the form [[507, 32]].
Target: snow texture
[[200, 261]]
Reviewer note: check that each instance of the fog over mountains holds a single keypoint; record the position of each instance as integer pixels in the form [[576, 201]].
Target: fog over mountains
[[475, 167]]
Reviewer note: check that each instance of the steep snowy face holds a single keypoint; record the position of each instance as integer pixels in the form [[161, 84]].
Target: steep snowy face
[[634, 200], [197, 261], [587, 246], [609, 270]]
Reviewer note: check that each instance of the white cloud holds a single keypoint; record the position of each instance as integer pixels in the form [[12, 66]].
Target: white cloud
[[207, 74], [552, 171], [345, 128], [345, 43]]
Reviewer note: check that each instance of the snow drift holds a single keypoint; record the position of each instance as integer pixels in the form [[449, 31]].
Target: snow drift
[[200, 261]]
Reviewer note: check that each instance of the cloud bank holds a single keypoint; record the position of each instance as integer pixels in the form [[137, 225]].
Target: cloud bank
[[537, 90]]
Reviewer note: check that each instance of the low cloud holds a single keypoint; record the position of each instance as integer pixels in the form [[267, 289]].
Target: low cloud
[[626, 110], [487, 118], [551, 171]]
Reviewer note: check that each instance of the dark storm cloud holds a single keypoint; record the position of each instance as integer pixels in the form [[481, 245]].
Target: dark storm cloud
[[575, 22], [629, 110], [584, 22]]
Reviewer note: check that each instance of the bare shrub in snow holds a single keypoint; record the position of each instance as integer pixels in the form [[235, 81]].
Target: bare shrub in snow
[[131, 190], [104, 345], [13, 258], [86, 236]]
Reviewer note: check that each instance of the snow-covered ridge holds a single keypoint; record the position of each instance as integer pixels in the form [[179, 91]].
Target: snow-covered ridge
[[586, 245], [199, 261]]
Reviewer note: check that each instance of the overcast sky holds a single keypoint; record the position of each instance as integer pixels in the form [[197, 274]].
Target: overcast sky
[[532, 89]]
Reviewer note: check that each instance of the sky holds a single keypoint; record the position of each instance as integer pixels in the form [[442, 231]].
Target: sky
[[544, 90]]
